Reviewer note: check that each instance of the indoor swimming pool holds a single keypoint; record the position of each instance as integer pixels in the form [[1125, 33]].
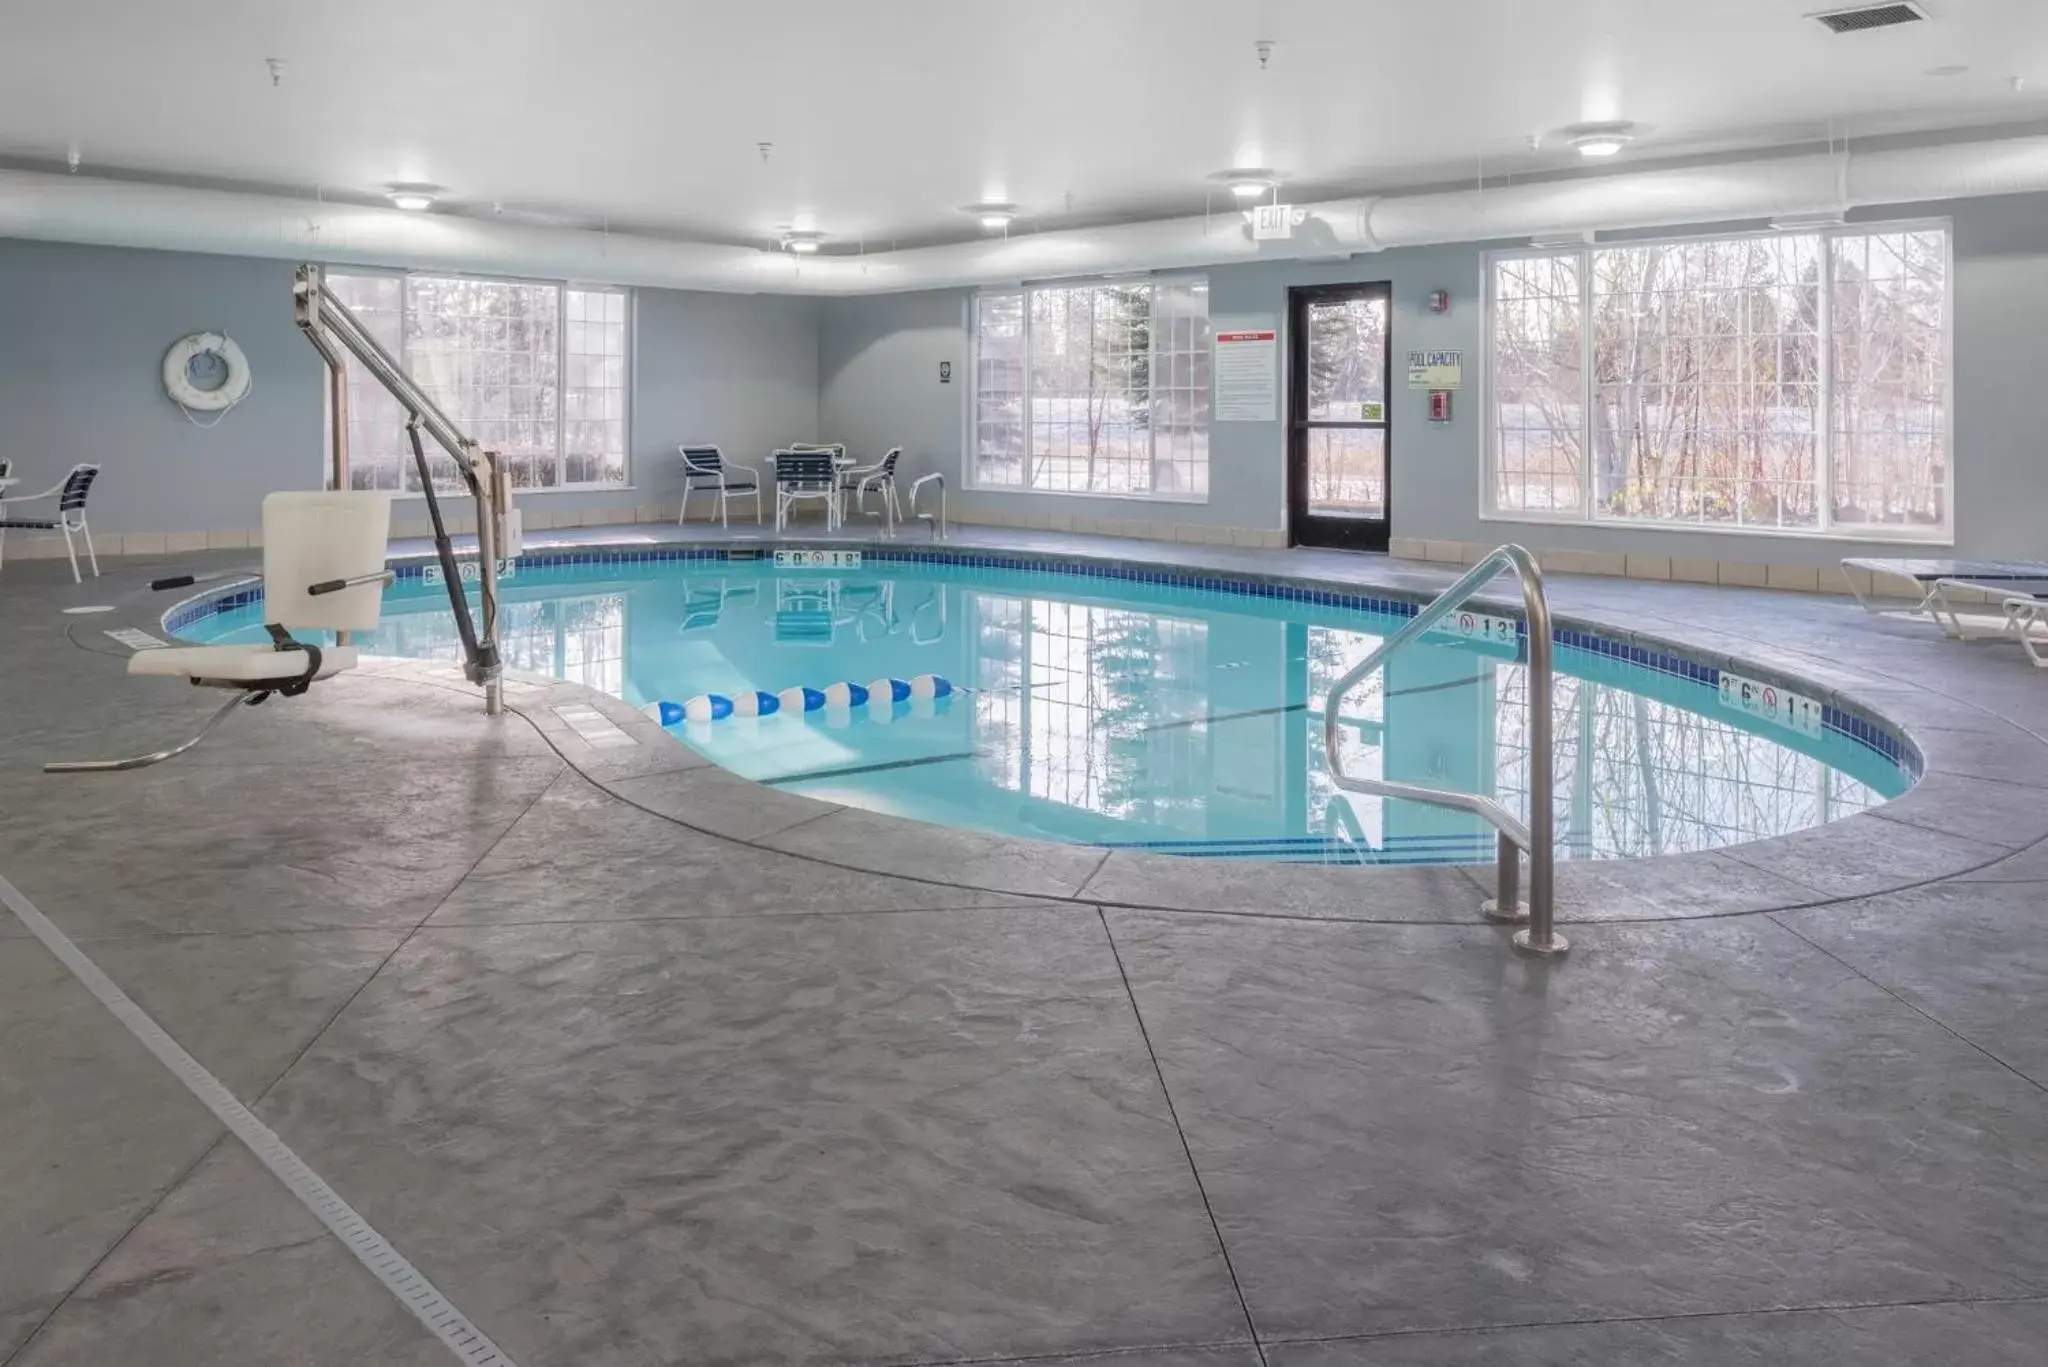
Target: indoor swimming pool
[[1117, 709]]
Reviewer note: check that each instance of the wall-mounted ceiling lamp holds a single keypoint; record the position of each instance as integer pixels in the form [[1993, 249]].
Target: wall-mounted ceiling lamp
[[1247, 182], [802, 242], [413, 197], [993, 214], [1600, 139]]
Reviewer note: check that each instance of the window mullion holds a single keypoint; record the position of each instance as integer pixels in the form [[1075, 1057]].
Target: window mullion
[[1588, 386], [405, 368], [1030, 396], [1824, 422], [1151, 389], [561, 383]]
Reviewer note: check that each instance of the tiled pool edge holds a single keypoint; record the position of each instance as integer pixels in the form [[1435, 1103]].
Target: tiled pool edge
[[1840, 713]]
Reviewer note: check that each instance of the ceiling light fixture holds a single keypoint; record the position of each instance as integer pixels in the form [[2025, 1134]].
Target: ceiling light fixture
[[803, 243], [414, 198], [993, 214], [1247, 182], [1600, 139]]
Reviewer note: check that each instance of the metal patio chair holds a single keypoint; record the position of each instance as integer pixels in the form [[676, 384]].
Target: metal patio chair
[[70, 494], [728, 479], [806, 474]]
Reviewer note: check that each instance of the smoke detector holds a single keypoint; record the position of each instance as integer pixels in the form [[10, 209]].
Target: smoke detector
[[1863, 18]]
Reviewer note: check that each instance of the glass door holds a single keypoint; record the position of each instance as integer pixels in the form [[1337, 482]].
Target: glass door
[[1339, 461]]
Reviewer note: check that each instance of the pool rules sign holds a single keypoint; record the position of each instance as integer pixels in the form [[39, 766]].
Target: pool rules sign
[[1247, 370]]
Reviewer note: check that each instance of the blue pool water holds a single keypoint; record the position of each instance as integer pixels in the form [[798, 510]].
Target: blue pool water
[[1150, 716]]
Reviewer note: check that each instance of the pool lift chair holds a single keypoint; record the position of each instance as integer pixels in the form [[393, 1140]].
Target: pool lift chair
[[323, 571], [324, 552]]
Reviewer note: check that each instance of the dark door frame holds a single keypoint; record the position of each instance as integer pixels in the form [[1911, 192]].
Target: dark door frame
[[1305, 528]]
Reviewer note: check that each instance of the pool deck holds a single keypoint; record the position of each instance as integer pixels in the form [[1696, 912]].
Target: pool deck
[[641, 1063]]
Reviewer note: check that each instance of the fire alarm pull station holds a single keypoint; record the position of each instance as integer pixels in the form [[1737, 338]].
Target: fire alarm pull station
[[1439, 301], [1440, 405]]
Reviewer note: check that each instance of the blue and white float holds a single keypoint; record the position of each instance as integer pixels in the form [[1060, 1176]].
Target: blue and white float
[[837, 697]]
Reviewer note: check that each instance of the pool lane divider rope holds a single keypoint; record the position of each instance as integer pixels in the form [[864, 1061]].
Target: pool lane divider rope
[[832, 697], [469, 1343]]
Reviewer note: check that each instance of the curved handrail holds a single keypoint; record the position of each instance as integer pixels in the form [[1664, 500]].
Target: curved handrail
[[1538, 837], [938, 526]]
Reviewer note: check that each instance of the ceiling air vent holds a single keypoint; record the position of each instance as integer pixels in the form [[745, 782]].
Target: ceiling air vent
[[1860, 18]]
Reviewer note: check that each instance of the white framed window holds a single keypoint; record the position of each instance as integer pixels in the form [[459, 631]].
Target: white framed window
[[1099, 387], [535, 370], [1793, 382]]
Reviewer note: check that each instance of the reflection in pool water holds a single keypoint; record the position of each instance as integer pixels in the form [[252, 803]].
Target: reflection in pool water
[[1144, 716]]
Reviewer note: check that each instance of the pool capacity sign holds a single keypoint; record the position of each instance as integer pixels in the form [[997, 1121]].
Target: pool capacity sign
[[1437, 370], [1247, 370]]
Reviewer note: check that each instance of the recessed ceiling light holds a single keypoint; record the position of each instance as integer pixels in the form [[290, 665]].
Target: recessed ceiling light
[[1600, 139], [804, 243], [416, 198], [993, 214], [1247, 182]]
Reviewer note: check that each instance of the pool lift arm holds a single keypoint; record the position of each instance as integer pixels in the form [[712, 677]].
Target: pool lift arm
[[332, 328]]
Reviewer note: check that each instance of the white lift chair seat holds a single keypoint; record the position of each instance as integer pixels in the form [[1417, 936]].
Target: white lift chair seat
[[233, 666], [323, 570]]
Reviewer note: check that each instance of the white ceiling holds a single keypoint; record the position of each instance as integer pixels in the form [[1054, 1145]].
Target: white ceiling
[[887, 117]]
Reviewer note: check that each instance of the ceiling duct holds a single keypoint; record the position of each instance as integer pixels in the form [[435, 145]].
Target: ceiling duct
[[124, 214]]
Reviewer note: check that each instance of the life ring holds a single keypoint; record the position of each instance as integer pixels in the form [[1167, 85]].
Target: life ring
[[178, 375]]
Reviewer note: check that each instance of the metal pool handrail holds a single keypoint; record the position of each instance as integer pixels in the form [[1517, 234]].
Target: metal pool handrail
[[1538, 837], [938, 526]]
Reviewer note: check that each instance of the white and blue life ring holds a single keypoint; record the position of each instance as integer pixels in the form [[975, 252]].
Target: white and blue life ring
[[234, 385]]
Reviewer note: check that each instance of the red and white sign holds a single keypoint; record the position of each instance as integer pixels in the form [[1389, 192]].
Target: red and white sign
[[1247, 375]]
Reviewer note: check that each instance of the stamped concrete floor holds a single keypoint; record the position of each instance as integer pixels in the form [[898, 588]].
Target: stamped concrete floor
[[638, 1092]]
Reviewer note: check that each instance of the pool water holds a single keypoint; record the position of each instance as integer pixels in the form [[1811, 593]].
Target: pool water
[[1167, 718]]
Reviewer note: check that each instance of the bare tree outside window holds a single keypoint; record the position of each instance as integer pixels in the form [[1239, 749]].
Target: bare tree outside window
[[1539, 408], [1347, 382], [1706, 373], [1098, 388], [534, 371], [1795, 381], [1889, 434]]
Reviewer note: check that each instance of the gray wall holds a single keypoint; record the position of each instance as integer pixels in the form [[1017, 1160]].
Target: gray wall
[[736, 370], [83, 331], [879, 387]]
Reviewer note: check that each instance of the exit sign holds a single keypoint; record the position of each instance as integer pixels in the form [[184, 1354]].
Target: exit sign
[[1272, 222]]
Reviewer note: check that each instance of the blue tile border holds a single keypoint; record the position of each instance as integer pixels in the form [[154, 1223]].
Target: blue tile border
[[1865, 730]]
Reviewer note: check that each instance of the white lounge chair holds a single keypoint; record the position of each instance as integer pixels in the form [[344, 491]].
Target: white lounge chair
[[323, 570], [1958, 597]]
